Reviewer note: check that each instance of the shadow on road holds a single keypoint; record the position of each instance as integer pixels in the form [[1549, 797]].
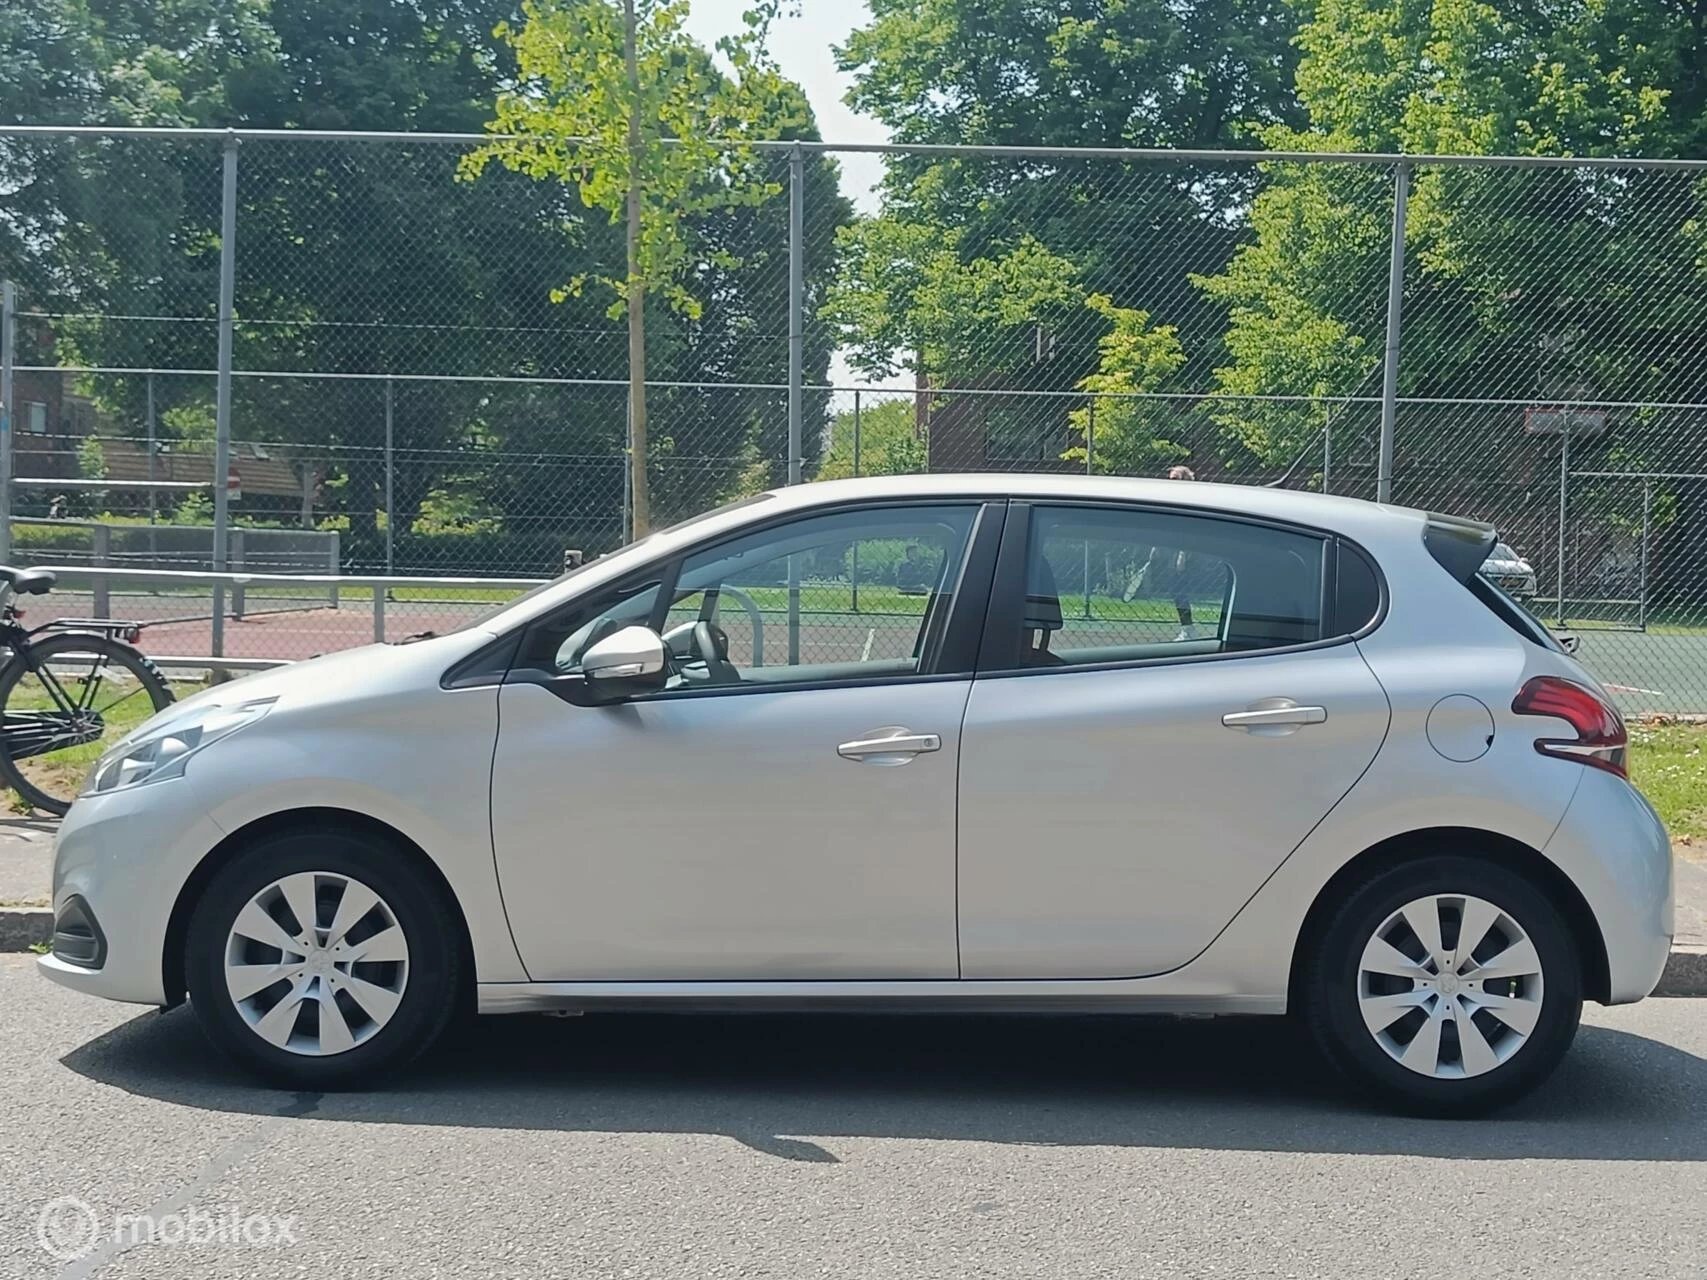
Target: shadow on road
[[1228, 1084]]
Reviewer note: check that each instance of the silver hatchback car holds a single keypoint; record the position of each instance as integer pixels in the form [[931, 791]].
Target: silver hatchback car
[[991, 742]]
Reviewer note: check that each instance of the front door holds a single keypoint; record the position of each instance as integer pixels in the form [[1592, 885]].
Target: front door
[[1166, 720], [785, 810]]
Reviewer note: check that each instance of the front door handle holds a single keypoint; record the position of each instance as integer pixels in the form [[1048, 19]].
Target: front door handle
[[889, 746], [1278, 715]]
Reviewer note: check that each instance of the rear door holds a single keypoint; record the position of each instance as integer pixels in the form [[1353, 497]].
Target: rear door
[[1162, 714]]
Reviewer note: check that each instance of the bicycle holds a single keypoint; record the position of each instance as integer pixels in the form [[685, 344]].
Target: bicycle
[[55, 718]]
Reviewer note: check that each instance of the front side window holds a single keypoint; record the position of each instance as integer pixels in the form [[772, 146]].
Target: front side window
[[848, 595], [844, 596], [1107, 585]]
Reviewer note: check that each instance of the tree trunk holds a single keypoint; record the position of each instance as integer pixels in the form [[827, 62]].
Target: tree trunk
[[636, 299]]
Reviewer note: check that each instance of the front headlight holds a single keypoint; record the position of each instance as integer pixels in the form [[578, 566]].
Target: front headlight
[[162, 752]]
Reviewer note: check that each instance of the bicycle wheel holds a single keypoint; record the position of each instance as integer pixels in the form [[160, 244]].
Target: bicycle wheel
[[64, 700]]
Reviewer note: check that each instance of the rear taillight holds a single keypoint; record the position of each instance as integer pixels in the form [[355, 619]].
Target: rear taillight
[[1600, 741]]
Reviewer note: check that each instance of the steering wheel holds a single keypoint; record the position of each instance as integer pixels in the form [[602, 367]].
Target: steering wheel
[[710, 645]]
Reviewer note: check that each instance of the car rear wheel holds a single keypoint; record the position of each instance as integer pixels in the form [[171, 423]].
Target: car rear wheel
[[321, 959], [1446, 986]]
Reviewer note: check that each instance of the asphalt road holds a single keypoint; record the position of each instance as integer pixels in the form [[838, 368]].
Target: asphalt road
[[794, 1147]]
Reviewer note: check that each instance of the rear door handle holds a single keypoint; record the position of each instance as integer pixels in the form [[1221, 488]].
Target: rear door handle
[[1274, 713], [893, 747]]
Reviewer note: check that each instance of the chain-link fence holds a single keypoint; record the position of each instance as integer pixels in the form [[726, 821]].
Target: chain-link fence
[[409, 371]]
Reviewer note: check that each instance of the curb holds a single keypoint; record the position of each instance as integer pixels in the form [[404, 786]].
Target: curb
[[1685, 972], [23, 927]]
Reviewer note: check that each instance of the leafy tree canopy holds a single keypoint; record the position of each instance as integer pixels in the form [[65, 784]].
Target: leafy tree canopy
[[1523, 283], [890, 443]]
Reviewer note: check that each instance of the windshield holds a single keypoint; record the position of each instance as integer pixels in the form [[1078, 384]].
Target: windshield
[[480, 619], [1503, 552]]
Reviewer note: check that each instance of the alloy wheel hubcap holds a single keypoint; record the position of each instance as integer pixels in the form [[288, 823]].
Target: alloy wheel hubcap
[[1450, 986], [316, 963]]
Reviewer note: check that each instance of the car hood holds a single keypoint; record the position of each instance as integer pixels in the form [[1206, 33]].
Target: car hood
[[333, 677]]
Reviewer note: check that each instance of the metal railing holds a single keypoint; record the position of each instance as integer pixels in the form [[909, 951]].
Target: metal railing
[[180, 588]]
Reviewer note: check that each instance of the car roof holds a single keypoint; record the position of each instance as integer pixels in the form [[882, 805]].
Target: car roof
[[1350, 516]]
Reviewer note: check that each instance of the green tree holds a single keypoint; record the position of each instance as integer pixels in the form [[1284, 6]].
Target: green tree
[[1110, 73], [890, 442], [908, 294], [1128, 435], [367, 258], [622, 104], [1524, 284]]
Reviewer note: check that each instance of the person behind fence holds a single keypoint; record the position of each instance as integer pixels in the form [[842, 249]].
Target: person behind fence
[[913, 574], [1169, 571]]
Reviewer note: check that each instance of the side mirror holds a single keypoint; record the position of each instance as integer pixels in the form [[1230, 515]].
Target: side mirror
[[625, 663]]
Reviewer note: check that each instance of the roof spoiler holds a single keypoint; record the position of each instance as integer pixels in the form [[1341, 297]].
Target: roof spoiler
[[1459, 545]]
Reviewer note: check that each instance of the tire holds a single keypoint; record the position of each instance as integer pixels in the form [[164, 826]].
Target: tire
[[390, 1009], [49, 781], [1481, 1059]]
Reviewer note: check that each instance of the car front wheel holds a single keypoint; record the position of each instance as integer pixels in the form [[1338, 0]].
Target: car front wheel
[[1446, 986], [321, 958]]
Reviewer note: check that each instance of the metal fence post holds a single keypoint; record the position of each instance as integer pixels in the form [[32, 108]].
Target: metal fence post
[[1090, 435], [625, 535], [337, 565], [390, 506], [1564, 506], [854, 550], [796, 305], [236, 542], [1327, 448], [222, 387], [153, 497], [1395, 322], [379, 591], [1642, 563], [101, 555], [8, 357], [796, 362]]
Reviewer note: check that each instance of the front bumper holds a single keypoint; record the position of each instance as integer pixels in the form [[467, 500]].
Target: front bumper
[[127, 855]]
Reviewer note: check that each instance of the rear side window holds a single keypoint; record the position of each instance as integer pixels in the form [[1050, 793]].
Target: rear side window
[[1107, 585]]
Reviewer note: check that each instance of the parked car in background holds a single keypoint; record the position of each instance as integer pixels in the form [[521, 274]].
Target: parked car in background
[[1363, 788], [1508, 570]]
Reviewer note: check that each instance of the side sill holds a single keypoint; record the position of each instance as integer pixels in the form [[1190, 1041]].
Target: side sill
[[832, 997]]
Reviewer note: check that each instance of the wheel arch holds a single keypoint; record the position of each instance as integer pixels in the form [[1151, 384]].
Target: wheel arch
[[1514, 855], [294, 820]]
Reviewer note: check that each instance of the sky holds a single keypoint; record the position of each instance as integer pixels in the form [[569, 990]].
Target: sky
[[802, 48]]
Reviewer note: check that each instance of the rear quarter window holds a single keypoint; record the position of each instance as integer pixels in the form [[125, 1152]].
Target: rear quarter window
[[1357, 591]]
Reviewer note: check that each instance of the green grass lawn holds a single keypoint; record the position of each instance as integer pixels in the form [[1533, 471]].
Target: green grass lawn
[[1669, 763]]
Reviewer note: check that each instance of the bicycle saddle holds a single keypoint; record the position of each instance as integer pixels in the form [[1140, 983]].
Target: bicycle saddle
[[28, 582]]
